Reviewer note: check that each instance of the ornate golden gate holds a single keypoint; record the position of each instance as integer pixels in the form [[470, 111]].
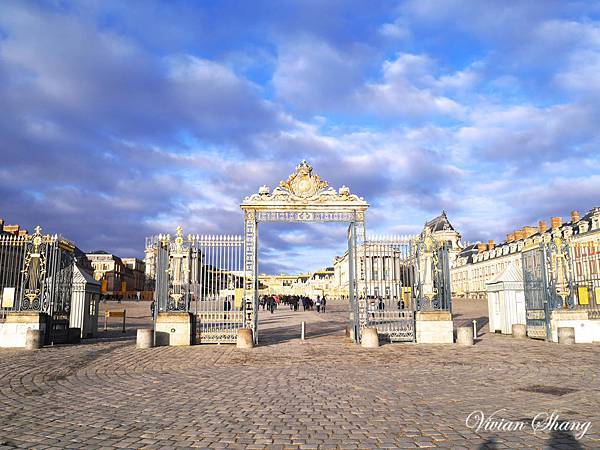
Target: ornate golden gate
[[303, 197], [216, 277]]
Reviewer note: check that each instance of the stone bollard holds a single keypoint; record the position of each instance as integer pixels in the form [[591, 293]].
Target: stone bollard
[[145, 338], [370, 338], [464, 336], [519, 330], [244, 338], [34, 339], [566, 335]]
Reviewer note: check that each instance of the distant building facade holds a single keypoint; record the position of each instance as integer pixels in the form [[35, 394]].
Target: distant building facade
[[120, 277], [135, 277], [318, 283], [385, 267], [478, 263]]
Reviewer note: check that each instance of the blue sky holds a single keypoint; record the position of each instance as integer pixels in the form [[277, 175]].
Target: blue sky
[[124, 119]]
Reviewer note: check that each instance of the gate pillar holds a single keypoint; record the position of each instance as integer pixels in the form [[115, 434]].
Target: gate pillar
[[174, 328], [434, 327], [250, 275]]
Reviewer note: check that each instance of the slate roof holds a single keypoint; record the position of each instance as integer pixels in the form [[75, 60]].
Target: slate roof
[[440, 223]]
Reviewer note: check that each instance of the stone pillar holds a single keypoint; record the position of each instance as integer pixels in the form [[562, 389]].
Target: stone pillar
[[519, 330], [566, 335], [370, 338], [145, 338], [13, 331], [464, 336], [34, 339], [244, 338], [174, 329], [434, 327]]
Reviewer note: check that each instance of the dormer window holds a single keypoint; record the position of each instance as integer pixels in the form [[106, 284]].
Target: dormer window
[[567, 232]]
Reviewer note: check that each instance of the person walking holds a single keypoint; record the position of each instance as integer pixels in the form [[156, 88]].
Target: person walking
[[318, 304], [323, 303]]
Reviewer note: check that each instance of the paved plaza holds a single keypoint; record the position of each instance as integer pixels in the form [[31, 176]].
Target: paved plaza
[[324, 392]]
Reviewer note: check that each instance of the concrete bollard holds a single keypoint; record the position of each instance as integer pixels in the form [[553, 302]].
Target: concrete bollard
[[145, 338], [244, 338], [34, 339], [519, 330], [566, 335], [464, 336], [370, 338]]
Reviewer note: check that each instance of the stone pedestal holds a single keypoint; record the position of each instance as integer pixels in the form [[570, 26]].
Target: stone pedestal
[[174, 329], [13, 332], [434, 327], [519, 330], [370, 338], [244, 338], [464, 336], [587, 330], [145, 338]]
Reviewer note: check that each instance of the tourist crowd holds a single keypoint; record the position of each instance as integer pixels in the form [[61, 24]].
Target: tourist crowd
[[271, 302]]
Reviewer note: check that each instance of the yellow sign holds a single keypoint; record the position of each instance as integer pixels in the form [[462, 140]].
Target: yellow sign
[[584, 295], [8, 297], [239, 298], [123, 287], [115, 313], [104, 287]]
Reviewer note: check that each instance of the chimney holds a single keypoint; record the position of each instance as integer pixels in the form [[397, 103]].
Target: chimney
[[481, 247], [542, 227], [490, 245], [519, 235], [1, 225], [575, 216], [529, 231], [510, 237], [12, 229], [556, 223]]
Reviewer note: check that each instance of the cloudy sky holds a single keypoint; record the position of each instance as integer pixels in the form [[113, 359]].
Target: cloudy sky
[[123, 119]]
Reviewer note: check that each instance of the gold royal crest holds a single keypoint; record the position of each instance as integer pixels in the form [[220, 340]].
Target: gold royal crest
[[302, 183]]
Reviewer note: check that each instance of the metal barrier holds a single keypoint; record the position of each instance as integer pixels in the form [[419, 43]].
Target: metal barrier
[[204, 276]]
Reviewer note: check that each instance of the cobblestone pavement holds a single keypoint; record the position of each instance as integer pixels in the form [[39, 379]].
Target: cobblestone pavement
[[324, 392]]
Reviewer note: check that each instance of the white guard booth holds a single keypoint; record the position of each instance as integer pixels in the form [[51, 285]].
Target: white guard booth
[[506, 300], [85, 302]]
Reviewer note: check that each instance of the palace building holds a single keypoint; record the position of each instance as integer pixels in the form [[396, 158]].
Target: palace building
[[120, 277], [386, 264], [318, 283], [478, 263]]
